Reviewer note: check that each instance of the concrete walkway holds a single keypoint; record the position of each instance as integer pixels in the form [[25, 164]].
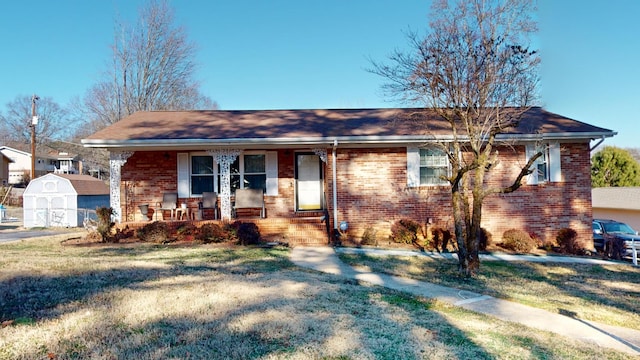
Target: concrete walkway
[[325, 259]]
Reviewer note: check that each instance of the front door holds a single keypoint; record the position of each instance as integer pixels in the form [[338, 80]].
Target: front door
[[309, 187]]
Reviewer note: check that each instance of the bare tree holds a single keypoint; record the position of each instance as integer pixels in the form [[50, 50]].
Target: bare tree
[[474, 69], [152, 68], [53, 123]]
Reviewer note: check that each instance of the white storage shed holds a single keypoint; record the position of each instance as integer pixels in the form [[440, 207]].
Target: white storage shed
[[63, 200]]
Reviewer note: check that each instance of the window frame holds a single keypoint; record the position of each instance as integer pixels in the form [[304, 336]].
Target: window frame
[[216, 170], [446, 166], [542, 176], [213, 174], [242, 170]]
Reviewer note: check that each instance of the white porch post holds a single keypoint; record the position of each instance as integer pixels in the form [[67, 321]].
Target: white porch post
[[225, 157], [116, 160]]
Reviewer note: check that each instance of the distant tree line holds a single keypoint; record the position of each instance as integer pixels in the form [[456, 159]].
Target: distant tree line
[[152, 67]]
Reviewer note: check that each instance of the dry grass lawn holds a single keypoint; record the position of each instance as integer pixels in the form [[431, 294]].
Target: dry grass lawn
[[146, 301], [606, 294]]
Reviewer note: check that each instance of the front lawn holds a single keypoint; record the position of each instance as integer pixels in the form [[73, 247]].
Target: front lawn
[[606, 294], [150, 301]]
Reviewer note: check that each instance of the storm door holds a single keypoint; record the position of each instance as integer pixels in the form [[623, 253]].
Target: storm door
[[309, 185]]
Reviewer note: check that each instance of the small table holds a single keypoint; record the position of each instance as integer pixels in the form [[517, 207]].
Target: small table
[[180, 212]]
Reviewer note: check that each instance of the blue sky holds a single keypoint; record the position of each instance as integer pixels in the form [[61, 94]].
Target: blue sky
[[259, 54]]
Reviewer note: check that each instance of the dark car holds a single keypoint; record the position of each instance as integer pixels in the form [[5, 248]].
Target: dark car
[[613, 238]]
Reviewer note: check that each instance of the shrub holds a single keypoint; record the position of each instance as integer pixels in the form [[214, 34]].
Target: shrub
[[231, 230], [517, 240], [485, 239], [404, 231], [122, 234], [369, 237], [104, 224], [441, 239], [186, 232], [212, 233], [567, 241], [248, 234], [155, 232]]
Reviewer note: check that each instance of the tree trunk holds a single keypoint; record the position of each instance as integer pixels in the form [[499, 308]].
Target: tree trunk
[[459, 228]]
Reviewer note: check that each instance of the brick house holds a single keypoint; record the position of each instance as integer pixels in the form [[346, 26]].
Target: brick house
[[365, 167]]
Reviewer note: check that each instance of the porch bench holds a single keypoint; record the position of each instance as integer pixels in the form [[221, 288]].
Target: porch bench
[[249, 199]]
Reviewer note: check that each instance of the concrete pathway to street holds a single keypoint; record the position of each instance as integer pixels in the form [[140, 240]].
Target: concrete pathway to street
[[325, 259]]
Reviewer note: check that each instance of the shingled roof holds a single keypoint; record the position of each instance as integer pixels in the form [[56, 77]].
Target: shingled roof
[[308, 127], [86, 185]]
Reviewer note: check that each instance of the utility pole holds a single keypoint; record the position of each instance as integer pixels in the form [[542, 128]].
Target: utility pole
[[34, 122]]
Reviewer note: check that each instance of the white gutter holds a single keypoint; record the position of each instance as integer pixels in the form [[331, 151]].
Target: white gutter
[[335, 189], [354, 140]]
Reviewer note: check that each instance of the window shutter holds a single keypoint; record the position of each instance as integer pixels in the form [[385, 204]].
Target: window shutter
[[183, 175], [530, 150], [555, 173], [271, 159], [413, 167]]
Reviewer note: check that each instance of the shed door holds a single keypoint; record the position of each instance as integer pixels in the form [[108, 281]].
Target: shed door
[[309, 191]]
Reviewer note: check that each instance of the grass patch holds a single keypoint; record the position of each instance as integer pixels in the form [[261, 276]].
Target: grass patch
[[155, 301], [606, 294]]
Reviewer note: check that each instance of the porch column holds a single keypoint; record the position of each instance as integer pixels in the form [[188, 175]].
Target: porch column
[[225, 157], [116, 160]]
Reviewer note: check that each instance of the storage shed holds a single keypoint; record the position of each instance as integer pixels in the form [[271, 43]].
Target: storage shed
[[63, 200]]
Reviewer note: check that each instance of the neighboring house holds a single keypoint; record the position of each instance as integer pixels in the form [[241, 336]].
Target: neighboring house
[[20, 169], [52, 162], [66, 163], [365, 167], [4, 169], [617, 203]]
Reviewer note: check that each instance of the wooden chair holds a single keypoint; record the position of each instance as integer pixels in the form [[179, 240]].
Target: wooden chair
[[247, 199]]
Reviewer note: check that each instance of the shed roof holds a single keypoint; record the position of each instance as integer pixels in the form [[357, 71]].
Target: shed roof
[[627, 198], [86, 185], [282, 127]]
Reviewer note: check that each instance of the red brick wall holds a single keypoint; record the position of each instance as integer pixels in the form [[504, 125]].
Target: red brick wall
[[372, 191], [144, 178]]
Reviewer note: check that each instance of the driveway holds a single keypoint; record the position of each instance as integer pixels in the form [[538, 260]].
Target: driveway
[[11, 228]]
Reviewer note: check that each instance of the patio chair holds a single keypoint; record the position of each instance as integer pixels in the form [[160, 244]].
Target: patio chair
[[209, 201], [169, 203], [249, 199]]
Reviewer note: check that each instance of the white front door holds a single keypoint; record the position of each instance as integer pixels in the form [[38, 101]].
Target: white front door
[[309, 189]]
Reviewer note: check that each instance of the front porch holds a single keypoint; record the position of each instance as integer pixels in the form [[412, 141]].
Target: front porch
[[304, 228]]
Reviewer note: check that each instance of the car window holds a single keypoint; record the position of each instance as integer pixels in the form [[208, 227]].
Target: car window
[[596, 226], [618, 228]]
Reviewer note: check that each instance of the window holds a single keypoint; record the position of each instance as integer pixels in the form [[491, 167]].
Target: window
[[541, 166], [248, 172], [546, 168], [201, 174], [434, 164]]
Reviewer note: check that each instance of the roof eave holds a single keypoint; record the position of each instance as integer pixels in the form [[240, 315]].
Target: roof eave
[[316, 141]]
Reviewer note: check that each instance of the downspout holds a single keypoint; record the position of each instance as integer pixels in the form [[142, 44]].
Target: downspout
[[334, 187]]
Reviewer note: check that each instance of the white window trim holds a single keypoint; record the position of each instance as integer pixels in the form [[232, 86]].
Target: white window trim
[[184, 171], [413, 169], [553, 162]]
